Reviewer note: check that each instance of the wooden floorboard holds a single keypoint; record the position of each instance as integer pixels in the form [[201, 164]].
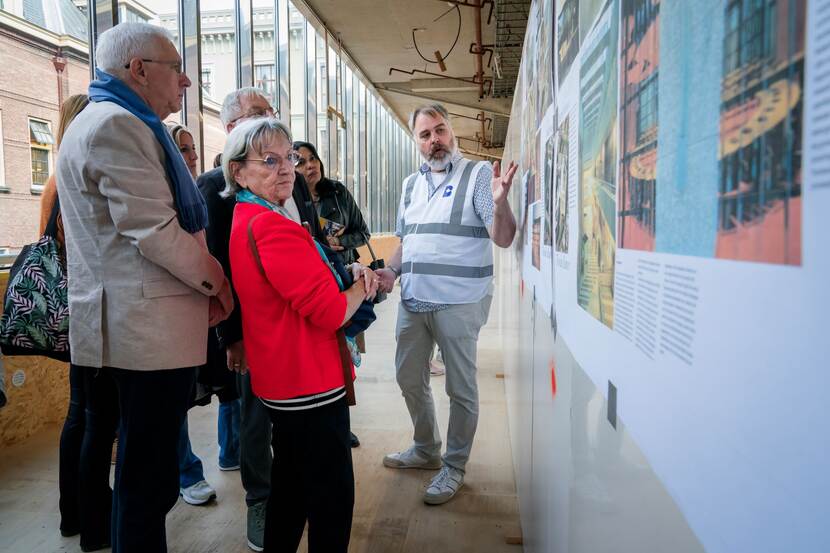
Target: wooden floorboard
[[389, 515]]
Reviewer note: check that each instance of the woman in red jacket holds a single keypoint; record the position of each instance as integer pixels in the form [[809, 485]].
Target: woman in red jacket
[[292, 308]]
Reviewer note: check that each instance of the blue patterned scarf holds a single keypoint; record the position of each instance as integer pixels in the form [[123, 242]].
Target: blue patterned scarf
[[190, 205]]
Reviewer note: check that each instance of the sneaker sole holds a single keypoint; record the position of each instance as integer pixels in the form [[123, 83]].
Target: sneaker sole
[[226, 469], [439, 500], [254, 547], [191, 501], [393, 464]]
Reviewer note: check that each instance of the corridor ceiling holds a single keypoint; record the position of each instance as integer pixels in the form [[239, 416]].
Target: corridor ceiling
[[378, 36]]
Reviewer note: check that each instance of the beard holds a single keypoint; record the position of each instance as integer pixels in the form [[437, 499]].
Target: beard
[[439, 157]]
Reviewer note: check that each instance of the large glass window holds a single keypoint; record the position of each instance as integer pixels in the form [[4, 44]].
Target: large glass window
[[362, 167], [311, 82], [296, 85], [265, 61], [218, 28], [322, 107], [334, 123]]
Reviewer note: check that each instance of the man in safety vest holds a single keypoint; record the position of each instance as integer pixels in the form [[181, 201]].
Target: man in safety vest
[[450, 211]]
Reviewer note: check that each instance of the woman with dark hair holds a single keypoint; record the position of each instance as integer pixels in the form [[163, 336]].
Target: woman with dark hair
[[339, 215]]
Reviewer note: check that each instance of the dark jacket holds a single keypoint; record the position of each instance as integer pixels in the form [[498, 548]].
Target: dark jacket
[[338, 205], [218, 234]]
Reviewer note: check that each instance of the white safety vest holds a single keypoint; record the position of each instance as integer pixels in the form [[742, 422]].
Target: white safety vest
[[447, 253]]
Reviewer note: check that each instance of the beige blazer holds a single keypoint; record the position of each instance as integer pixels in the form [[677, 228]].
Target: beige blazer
[[138, 282]]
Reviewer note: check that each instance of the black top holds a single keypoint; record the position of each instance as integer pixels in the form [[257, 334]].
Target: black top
[[338, 205]]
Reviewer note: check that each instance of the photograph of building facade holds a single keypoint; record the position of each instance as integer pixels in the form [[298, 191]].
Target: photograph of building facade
[[567, 44], [639, 63], [548, 190], [561, 185], [598, 79], [760, 170]]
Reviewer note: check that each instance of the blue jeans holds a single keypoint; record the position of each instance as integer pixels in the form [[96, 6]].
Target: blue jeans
[[228, 430], [190, 466]]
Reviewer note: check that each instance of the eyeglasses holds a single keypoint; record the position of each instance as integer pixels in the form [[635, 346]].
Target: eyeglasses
[[301, 161], [174, 65], [255, 113], [272, 162]]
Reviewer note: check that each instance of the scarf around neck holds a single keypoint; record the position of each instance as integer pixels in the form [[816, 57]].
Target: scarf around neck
[[190, 205]]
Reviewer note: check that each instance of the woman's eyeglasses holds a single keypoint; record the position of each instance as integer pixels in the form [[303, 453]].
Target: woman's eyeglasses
[[272, 162]]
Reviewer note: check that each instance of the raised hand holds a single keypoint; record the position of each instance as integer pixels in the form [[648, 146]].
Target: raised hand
[[501, 183]]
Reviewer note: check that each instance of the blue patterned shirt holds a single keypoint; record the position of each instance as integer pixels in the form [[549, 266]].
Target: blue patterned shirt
[[482, 204]]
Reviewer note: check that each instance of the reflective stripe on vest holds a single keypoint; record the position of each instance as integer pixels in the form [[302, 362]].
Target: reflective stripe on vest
[[440, 269]]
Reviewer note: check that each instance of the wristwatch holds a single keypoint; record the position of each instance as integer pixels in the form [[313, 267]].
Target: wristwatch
[[396, 271]]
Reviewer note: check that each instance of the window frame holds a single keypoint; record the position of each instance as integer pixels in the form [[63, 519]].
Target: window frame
[[37, 188]]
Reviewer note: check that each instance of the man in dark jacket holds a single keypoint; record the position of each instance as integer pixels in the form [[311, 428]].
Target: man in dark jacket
[[225, 346]]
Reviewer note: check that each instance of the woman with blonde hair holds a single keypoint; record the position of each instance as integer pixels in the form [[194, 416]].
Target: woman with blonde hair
[[193, 487], [87, 438], [184, 140]]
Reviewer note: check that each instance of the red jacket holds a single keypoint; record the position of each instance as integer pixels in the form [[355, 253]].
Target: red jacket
[[289, 319]]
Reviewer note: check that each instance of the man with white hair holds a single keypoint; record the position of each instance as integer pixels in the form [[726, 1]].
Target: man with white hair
[[450, 211], [143, 288], [254, 423]]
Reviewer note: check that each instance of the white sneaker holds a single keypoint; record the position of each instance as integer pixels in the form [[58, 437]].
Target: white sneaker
[[444, 486], [436, 368], [411, 459], [436, 364], [198, 494]]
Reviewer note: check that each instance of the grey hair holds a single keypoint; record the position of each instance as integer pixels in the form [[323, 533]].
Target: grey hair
[[245, 137], [232, 105], [118, 45], [433, 110]]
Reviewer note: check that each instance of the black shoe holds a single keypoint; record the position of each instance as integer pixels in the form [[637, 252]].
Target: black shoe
[[69, 532], [355, 441]]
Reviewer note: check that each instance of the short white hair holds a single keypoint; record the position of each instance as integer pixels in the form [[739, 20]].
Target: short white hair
[[118, 45], [248, 135], [232, 105]]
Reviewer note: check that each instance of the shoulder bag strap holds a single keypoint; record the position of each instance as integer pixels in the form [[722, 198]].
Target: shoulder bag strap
[[52, 225], [346, 364], [252, 245]]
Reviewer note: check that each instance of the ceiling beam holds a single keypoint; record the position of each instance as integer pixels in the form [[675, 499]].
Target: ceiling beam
[[444, 100]]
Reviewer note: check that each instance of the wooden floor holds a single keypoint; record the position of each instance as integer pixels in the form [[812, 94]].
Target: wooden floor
[[389, 514]]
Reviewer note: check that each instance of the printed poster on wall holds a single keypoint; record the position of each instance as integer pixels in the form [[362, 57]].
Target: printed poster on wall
[[687, 221]]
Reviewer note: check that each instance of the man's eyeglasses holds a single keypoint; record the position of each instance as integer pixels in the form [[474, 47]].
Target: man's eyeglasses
[[255, 113], [174, 65], [301, 161], [272, 162]]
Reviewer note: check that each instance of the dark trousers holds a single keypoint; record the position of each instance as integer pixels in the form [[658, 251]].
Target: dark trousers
[[85, 452], [70, 453], [254, 444], [153, 407], [313, 464]]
